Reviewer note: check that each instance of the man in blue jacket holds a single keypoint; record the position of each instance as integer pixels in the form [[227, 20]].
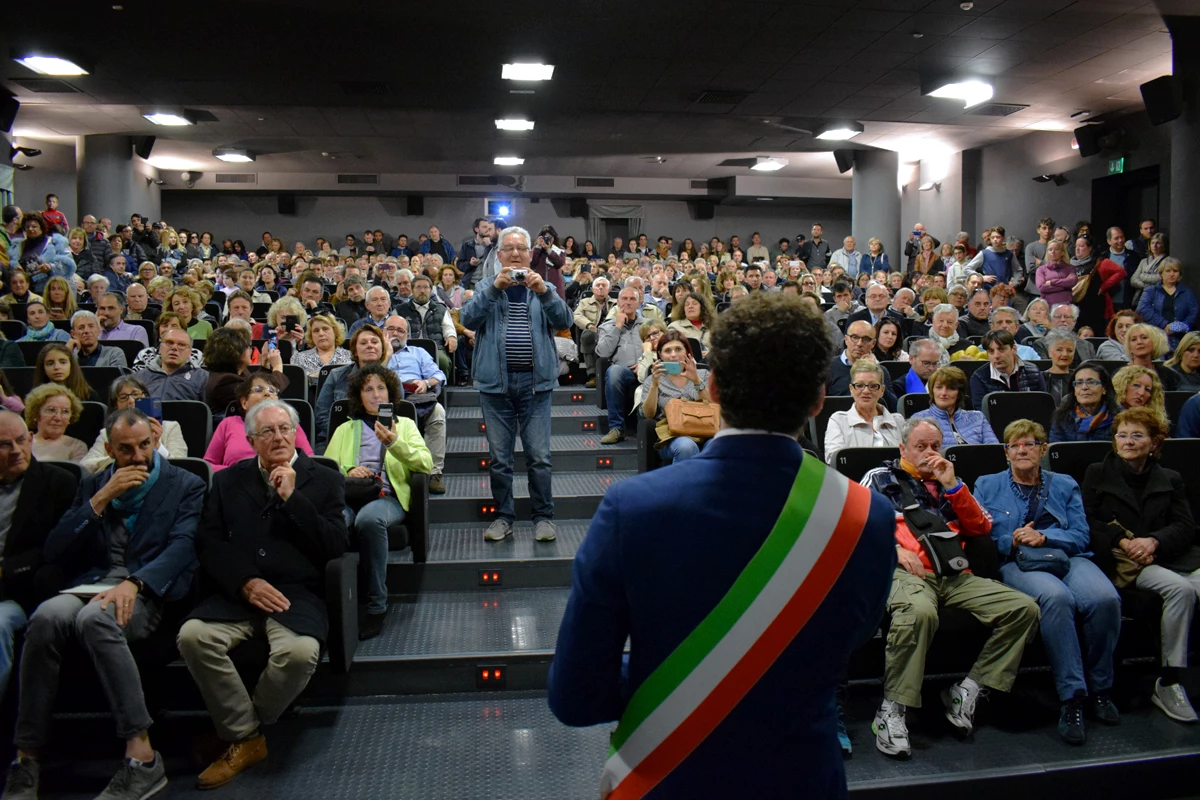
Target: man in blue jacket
[[515, 317], [127, 547], [655, 563]]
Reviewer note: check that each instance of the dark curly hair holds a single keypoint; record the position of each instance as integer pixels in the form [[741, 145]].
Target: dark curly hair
[[769, 358], [359, 379], [224, 349]]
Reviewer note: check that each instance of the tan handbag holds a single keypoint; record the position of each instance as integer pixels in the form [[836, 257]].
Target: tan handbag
[[693, 418], [1080, 289], [1127, 570]]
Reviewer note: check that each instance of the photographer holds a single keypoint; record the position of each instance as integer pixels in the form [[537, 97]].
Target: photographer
[[547, 259]]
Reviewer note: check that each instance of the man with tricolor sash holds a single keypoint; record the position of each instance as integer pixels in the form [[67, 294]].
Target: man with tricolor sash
[[740, 614]]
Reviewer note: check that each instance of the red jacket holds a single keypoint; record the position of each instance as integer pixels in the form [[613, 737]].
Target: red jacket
[[973, 520], [56, 217], [1111, 275]]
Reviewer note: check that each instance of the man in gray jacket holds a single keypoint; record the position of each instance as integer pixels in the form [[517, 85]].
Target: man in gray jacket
[[171, 376], [618, 341], [85, 341]]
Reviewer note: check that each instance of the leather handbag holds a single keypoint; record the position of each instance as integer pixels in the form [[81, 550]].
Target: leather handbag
[[1126, 569], [693, 418], [360, 491], [1080, 289], [1043, 559]]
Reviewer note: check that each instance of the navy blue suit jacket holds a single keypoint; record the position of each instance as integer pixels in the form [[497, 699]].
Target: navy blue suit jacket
[[662, 550]]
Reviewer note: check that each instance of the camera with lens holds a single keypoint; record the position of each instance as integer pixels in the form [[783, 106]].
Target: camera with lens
[[518, 275]]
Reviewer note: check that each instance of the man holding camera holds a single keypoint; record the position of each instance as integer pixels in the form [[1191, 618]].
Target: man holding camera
[[515, 316]]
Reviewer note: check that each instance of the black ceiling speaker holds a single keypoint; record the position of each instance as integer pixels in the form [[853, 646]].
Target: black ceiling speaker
[[1088, 139], [1163, 98], [287, 204], [845, 159], [143, 145], [416, 206], [8, 111], [579, 207], [705, 209]]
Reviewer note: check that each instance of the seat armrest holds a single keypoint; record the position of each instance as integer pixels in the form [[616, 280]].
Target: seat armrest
[[341, 599], [417, 518], [648, 458]]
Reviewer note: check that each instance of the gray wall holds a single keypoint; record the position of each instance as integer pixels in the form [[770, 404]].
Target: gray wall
[[53, 171], [246, 216]]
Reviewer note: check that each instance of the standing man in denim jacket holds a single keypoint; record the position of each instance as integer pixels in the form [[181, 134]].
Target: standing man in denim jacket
[[515, 316]]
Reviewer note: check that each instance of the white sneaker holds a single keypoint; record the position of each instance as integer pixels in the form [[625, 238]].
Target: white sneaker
[[891, 732], [959, 701], [545, 531], [1173, 701], [498, 531]]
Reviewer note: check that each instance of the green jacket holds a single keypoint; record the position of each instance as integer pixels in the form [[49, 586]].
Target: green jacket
[[404, 456]]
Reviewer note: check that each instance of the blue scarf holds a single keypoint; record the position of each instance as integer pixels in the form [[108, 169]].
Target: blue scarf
[[129, 505], [913, 383], [36, 335]]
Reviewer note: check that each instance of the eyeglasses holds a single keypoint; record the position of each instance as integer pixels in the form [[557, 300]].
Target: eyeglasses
[[1131, 437], [854, 337], [170, 345], [125, 397], [1019, 446], [260, 389], [1090, 383], [56, 412], [270, 433], [874, 387], [510, 249], [925, 363]]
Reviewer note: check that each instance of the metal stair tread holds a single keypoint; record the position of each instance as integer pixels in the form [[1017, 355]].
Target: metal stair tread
[[463, 543], [559, 443], [580, 410], [565, 484]]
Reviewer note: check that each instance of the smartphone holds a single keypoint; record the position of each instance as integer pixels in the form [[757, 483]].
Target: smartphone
[[672, 368], [793, 263], [271, 343], [150, 406], [291, 323], [385, 414], [518, 275]]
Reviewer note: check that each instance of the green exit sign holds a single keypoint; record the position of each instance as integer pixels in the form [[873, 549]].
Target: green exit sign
[[1116, 166]]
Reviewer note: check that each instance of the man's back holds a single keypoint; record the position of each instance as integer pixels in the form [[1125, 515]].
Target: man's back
[[656, 562]]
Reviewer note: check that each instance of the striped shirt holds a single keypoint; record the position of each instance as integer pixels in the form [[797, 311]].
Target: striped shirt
[[518, 339]]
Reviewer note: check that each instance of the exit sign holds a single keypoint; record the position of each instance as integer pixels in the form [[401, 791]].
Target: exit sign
[[1116, 166]]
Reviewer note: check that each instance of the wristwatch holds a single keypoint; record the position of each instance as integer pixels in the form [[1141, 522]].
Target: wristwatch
[[139, 583]]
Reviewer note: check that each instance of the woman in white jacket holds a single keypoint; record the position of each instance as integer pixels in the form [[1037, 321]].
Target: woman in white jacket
[[868, 423]]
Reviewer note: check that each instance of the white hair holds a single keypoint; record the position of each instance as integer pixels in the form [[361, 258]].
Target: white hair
[[258, 408], [84, 315], [1074, 309], [943, 308], [520, 232], [95, 279], [377, 288]]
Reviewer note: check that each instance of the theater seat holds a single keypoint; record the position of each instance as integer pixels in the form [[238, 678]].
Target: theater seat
[[647, 438]]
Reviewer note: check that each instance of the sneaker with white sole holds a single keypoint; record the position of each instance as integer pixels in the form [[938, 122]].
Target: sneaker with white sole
[[22, 782], [959, 701], [1173, 700], [545, 531], [136, 781], [891, 731], [498, 531]]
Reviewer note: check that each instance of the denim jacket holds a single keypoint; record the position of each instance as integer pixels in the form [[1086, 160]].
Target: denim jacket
[[1064, 502], [486, 313], [972, 426]]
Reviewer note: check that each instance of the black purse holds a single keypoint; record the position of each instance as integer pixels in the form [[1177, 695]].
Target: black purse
[[360, 491], [942, 546]]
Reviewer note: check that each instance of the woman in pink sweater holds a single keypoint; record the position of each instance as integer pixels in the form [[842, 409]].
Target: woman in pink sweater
[[1056, 275], [229, 444]]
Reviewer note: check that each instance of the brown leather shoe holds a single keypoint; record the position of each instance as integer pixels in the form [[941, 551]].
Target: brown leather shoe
[[238, 757]]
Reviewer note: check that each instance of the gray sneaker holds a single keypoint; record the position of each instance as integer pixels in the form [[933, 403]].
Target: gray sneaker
[[1173, 701], [545, 531], [498, 531], [22, 782], [135, 781]]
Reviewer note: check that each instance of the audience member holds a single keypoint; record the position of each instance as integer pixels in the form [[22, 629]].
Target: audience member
[[49, 410], [1147, 274], [323, 341], [921, 479], [1065, 317], [693, 318], [39, 327], [859, 341], [1113, 349], [589, 313], [1144, 537], [270, 526], [187, 303], [173, 375], [944, 329], [227, 358], [868, 423], [124, 393], [229, 444], [368, 345], [844, 305], [976, 321], [1056, 277], [948, 402], [110, 310], [1006, 318], [60, 298], [1087, 415], [57, 364], [1102, 276], [1037, 322], [428, 319], [118, 584], [660, 387], [85, 341], [924, 356], [423, 383], [1036, 515], [617, 340], [1185, 362], [1005, 372], [1137, 386], [1060, 347], [1144, 345]]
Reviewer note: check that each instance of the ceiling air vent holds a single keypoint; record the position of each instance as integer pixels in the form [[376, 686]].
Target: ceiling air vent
[[997, 109], [46, 86], [364, 88], [594, 183], [478, 180], [358, 179], [236, 177], [722, 98]]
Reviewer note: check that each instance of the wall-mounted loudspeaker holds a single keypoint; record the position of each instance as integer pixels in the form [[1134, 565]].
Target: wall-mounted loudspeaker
[[579, 207], [705, 209], [1164, 99], [844, 159], [1088, 139], [143, 145], [416, 206], [287, 205], [8, 111]]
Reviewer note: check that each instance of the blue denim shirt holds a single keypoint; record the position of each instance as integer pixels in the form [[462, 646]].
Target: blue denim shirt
[[1064, 502]]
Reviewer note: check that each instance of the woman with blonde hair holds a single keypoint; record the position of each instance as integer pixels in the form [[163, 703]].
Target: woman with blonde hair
[[1186, 362], [159, 288], [927, 261], [49, 410], [185, 301], [168, 247], [875, 259], [323, 339], [1139, 387], [450, 292], [277, 315], [1144, 345], [60, 298]]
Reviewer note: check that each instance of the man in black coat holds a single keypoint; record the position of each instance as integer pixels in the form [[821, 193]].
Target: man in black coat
[[271, 525], [33, 498]]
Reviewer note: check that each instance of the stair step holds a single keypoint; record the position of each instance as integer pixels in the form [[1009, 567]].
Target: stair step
[[468, 498], [458, 555], [561, 396], [467, 420], [568, 452]]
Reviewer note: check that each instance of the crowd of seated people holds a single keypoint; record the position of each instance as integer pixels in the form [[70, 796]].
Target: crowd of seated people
[[348, 310]]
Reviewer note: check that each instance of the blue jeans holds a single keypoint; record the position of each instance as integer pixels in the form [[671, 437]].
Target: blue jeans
[[619, 385], [1085, 593], [12, 619], [520, 409], [681, 448], [371, 523]]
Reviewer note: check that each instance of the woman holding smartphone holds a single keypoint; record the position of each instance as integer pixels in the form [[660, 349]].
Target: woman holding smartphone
[[125, 392], [673, 376], [378, 447]]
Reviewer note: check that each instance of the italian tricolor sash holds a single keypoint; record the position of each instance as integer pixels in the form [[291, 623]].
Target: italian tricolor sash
[[711, 670]]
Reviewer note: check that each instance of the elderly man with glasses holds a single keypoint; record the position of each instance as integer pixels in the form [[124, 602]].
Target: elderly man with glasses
[[171, 375], [860, 340], [271, 525]]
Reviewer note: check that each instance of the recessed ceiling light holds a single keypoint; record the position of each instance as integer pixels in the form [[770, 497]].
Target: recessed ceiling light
[[233, 155], [839, 131], [52, 65], [527, 72], [508, 161], [972, 93], [514, 125], [769, 164], [167, 118]]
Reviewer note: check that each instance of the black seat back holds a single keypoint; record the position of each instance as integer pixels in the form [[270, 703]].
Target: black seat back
[[854, 462], [912, 403], [818, 424], [973, 460], [195, 422], [1073, 458], [1002, 408]]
